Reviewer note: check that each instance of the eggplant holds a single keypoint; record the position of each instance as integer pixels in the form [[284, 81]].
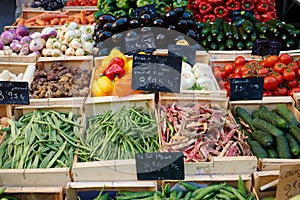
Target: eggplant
[[186, 15], [182, 25], [104, 18], [121, 24], [191, 24], [98, 27], [145, 19], [172, 27], [179, 12], [158, 22], [170, 17], [134, 23], [107, 26], [104, 35], [191, 33]]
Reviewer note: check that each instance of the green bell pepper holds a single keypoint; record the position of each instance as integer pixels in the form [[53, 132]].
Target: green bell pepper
[[120, 13], [141, 3], [123, 4], [180, 3]]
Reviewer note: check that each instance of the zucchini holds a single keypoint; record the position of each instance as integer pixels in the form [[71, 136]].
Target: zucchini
[[275, 22], [272, 153], [235, 32], [286, 114], [260, 27], [249, 44], [215, 28], [209, 38], [294, 32], [222, 46], [244, 115], [282, 147], [289, 44], [257, 149], [243, 35], [201, 25], [295, 132], [249, 16], [273, 118], [294, 145], [283, 36], [239, 45], [220, 35], [271, 28], [265, 139], [237, 23], [253, 36], [206, 30], [213, 46], [204, 43], [247, 26], [229, 43], [227, 29], [267, 127]]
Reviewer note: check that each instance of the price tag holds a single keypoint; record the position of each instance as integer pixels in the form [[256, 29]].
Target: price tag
[[289, 182], [148, 8], [160, 166], [14, 92], [246, 88], [156, 73], [263, 47], [188, 53], [141, 42]]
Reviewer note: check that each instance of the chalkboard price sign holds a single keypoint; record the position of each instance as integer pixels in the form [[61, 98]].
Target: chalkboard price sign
[[148, 8], [156, 73], [141, 42], [246, 88], [188, 53], [263, 47], [14, 92], [160, 166]]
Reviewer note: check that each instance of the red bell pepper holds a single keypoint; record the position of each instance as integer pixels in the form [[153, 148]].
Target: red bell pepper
[[221, 12], [247, 5], [114, 70], [205, 8], [257, 16], [265, 17], [198, 17], [209, 18], [272, 11], [233, 5], [262, 7], [216, 2], [228, 19]]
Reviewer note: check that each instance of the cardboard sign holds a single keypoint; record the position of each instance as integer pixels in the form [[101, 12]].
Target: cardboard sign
[[188, 53], [246, 88], [148, 8], [141, 42], [160, 166], [263, 47], [14, 92], [156, 73], [289, 182]]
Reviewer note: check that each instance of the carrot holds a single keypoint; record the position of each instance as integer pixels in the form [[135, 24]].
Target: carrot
[[50, 16], [40, 22], [82, 16], [90, 18], [20, 21], [32, 19], [54, 21]]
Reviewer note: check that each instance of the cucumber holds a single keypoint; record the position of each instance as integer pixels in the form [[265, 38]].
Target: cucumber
[[294, 145], [282, 147], [255, 113], [260, 27], [273, 118], [275, 22], [265, 139], [272, 153], [267, 127], [229, 43], [235, 32], [247, 26], [242, 33], [215, 28], [249, 16], [295, 132], [286, 114], [257, 149], [244, 115], [206, 30], [239, 45], [227, 29]]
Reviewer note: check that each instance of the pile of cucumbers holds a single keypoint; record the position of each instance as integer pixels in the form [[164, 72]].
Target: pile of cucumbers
[[271, 133], [241, 33]]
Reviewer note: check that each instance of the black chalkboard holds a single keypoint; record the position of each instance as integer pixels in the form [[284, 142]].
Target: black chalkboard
[[160, 166], [151, 9], [246, 88], [188, 53], [263, 47], [156, 73], [141, 42], [14, 92]]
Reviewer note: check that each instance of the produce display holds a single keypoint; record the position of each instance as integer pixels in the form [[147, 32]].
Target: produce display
[[281, 73], [271, 134], [60, 81], [209, 10], [42, 139], [81, 3], [48, 4], [121, 134], [186, 190], [6, 75], [200, 131]]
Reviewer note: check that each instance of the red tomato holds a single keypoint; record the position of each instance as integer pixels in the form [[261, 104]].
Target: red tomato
[[247, 73], [219, 72], [236, 76], [280, 91], [263, 63], [285, 58], [298, 73], [271, 61], [293, 90], [293, 65], [292, 84], [238, 70], [279, 67], [229, 68], [270, 83], [289, 74], [278, 77], [239, 61], [267, 93], [262, 71]]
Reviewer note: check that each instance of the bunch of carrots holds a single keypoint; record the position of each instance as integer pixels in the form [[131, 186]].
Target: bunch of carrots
[[50, 19]]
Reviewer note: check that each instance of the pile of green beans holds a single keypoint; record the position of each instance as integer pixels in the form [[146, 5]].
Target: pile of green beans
[[42, 139], [122, 134]]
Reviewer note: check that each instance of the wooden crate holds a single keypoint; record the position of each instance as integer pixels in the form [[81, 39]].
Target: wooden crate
[[231, 54], [17, 60], [264, 183], [35, 193], [201, 56], [296, 97], [83, 62], [136, 186]]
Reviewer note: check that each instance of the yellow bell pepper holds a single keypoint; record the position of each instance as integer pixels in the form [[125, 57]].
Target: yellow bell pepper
[[128, 65], [114, 53], [103, 86]]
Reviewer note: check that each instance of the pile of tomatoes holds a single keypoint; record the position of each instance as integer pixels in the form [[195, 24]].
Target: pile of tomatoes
[[81, 3], [281, 73]]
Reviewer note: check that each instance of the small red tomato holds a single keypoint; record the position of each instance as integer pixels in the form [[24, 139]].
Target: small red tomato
[[289, 74], [270, 83], [267, 93], [285, 58], [293, 90], [239, 61], [219, 73], [293, 65], [280, 91], [292, 84], [229, 68], [279, 67], [271, 60]]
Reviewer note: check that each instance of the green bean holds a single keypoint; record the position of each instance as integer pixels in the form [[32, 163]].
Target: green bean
[[58, 153]]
